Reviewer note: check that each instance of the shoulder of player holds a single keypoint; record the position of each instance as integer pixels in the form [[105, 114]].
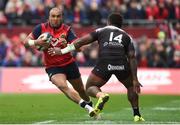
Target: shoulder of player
[[110, 27], [65, 26], [38, 26], [41, 26]]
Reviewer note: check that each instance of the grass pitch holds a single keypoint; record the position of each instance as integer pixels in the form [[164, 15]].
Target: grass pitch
[[57, 109]]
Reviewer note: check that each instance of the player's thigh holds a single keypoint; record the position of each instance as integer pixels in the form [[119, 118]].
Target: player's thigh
[[59, 80], [99, 75], [95, 80], [57, 76], [77, 84], [74, 76], [125, 78]]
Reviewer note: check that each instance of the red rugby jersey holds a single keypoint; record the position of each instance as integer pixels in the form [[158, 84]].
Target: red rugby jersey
[[57, 60]]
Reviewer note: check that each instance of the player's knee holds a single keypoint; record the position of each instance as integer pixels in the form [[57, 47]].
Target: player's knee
[[63, 88], [89, 89], [62, 85], [92, 89]]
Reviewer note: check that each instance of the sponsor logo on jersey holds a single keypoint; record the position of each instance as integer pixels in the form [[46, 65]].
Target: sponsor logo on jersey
[[113, 44], [115, 67]]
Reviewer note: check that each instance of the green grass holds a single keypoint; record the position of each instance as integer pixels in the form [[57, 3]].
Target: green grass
[[57, 109]]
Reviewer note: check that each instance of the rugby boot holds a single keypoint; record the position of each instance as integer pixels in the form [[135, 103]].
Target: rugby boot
[[138, 119]]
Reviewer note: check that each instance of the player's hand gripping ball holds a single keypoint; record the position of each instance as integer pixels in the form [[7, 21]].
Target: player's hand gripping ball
[[46, 38]]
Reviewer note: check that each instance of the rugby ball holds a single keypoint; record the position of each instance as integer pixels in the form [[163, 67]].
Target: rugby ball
[[47, 37]]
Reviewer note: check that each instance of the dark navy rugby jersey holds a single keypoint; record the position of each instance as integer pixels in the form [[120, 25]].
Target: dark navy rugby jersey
[[113, 43]]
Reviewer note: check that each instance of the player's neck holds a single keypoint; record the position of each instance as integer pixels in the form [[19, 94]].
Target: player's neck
[[55, 28]]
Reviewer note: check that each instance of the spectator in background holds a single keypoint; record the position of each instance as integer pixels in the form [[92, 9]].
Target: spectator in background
[[171, 7], [151, 10], [68, 12], [15, 52], [26, 14], [27, 59], [39, 13], [81, 11], [3, 19], [176, 59], [3, 48], [177, 9], [17, 47], [11, 60], [94, 14], [105, 10], [11, 11], [134, 11], [48, 5], [162, 11], [157, 62], [142, 55], [79, 14], [3, 4]]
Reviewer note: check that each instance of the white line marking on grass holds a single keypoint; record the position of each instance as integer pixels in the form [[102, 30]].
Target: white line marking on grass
[[45, 122], [166, 108], [99, 122], [160, 122], [107, 122]]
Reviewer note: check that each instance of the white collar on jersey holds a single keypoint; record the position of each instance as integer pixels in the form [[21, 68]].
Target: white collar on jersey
[[110, 27]]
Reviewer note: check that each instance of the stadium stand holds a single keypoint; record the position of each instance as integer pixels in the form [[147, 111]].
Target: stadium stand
[[153, 23]]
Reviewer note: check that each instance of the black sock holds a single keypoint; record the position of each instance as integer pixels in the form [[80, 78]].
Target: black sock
[[90, 103], [82, 104], [136, 111]]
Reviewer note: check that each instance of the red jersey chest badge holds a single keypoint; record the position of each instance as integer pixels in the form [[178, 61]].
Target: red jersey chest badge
[[60, 41]]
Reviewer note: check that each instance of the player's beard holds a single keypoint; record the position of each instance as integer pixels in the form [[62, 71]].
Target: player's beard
[[56, 25]]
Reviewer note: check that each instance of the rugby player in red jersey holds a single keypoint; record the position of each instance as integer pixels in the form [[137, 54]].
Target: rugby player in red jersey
[[61, 68], [116, 56]]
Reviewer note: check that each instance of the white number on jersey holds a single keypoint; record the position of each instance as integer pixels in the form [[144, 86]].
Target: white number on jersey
[[116, 38]]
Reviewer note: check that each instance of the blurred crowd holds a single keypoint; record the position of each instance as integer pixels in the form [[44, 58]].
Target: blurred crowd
[[160, 52], [86, 12]]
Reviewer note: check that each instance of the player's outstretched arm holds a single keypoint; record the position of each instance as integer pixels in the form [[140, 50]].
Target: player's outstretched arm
[[83, 41], [73, 46]]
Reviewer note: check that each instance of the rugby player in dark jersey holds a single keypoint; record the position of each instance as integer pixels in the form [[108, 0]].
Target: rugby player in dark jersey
[[61, 68], [116, 56]]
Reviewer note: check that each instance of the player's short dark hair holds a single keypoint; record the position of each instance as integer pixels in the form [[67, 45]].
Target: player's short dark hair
[[115, 19]]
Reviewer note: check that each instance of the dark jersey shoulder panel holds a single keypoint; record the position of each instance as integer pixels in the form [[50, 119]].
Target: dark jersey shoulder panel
[[113, 43], [71, 36], [37, 31]]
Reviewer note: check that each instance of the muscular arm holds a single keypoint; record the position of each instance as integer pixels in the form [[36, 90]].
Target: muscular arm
[[133, 67], [28, 38], [89, 38], [83, 41], [32, 40], [73, 46], [132, 60]]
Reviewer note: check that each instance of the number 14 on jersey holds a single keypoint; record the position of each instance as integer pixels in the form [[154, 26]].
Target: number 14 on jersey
[[115, 38]]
